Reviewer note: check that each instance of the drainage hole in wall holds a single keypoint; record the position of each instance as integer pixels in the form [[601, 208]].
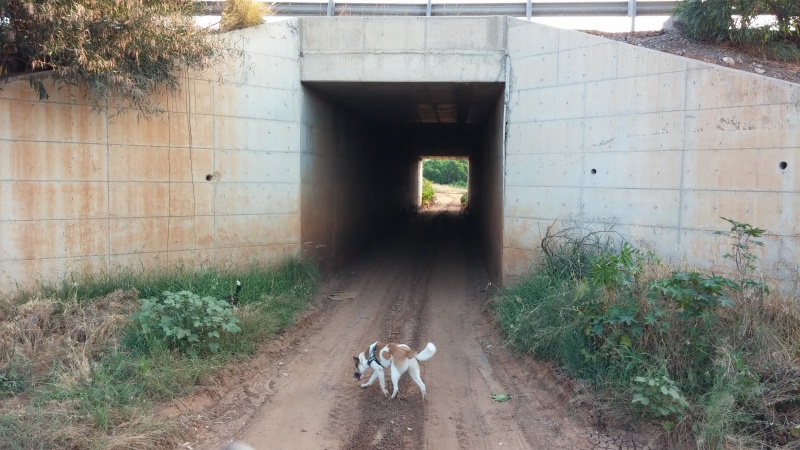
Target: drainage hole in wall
[[212, 177], [782, 165], [594, 171]]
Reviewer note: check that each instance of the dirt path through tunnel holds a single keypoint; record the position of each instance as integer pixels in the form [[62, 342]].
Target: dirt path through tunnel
[[424, 283]]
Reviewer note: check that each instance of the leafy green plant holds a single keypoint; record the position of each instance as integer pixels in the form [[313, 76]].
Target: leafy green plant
[[186, 321], [659, 397], [501, 397], [464, 199], [622, 318], [743, 237], [695, 294]]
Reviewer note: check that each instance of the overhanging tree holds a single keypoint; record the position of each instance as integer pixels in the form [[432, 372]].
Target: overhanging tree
[[120, 50]]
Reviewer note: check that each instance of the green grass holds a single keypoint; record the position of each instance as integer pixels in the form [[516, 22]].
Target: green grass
[[104, 396]]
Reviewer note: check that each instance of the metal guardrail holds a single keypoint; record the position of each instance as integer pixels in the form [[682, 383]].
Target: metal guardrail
[[528, 9], [520, 9]]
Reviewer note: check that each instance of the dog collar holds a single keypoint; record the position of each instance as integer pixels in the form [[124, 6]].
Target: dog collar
[[372, 357]]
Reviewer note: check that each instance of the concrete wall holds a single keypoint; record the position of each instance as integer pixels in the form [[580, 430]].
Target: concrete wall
[[486, 187], [355, 182], [414, 49], [96, 190], [664, 144]]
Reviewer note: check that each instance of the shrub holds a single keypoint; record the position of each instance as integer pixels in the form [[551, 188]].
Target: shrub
[[129, 48], [186, 321], [427, 192], [733, 21]]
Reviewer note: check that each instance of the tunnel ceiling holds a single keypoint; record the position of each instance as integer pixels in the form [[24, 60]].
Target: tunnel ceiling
[[407, 103]]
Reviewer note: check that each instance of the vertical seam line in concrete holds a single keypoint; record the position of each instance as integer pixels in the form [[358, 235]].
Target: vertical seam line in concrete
[[108, 194], [506, 101], [214, 169], [170, 114], [583, 155], [191, 163], [681, 193]]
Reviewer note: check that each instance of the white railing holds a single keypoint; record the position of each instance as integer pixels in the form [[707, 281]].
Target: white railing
[[528, 9]]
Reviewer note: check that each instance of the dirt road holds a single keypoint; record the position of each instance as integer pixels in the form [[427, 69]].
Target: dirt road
[[424, 283]]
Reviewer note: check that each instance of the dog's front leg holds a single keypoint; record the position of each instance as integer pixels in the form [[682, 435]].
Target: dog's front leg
[[375, 374]]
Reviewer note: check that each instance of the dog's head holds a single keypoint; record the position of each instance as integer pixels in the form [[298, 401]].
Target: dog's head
[[361, 366]]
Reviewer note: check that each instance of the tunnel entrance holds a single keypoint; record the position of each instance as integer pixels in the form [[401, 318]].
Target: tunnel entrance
[[363, 150]]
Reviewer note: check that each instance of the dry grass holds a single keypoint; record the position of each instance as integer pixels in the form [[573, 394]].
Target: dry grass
[[44, 334], [45, 330], [239, 14]]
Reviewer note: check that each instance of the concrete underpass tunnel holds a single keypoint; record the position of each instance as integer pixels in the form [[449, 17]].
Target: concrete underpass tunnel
[[361, 166]]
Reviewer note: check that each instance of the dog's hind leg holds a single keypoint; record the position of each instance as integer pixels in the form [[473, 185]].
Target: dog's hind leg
[[395, 379], [382, 379], [413, 371]]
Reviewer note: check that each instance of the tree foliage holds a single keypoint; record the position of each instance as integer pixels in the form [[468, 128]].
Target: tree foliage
[[448, 171], [128, 48]]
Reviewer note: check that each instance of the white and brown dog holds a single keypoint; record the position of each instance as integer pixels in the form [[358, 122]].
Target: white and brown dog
[[400, 357]]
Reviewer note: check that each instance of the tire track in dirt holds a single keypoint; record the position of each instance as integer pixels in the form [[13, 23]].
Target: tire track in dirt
[[398, 423]]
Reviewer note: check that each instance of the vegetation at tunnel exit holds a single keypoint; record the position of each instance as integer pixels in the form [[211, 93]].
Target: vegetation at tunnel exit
[[713, 359], [91, 357], [120, 51], [427, 193], [454, 172]]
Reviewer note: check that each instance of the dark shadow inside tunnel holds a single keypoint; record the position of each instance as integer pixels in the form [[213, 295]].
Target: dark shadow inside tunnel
[[363, 144]]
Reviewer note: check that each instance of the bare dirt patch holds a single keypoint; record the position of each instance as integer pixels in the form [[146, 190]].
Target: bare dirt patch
[[424, 283]]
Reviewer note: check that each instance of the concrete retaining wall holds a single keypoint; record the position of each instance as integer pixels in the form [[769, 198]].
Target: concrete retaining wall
[[664, 145], [85, 190]]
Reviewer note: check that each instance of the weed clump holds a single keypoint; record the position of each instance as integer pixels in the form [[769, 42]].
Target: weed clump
[[238, 14], [711, 358]]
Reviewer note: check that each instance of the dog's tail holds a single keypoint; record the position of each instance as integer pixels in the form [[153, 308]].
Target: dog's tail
[[426, 353]]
